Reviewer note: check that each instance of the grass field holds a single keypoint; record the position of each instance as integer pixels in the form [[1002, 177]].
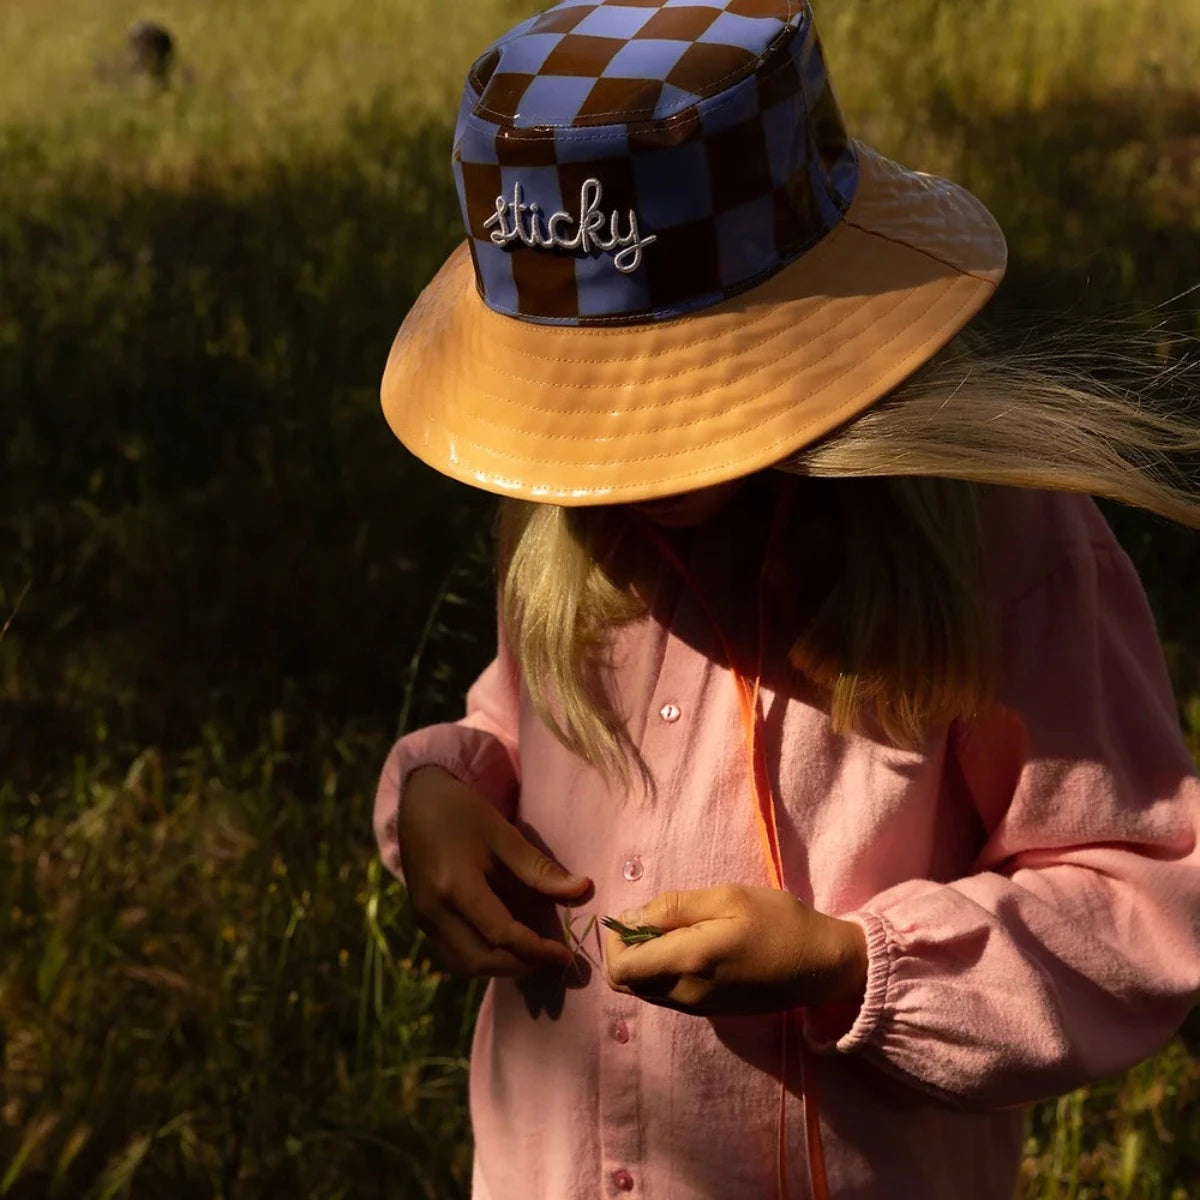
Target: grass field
[[223, 587]]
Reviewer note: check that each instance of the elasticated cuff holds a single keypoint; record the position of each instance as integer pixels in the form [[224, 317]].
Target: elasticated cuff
[[826, 1030], [452, 764]]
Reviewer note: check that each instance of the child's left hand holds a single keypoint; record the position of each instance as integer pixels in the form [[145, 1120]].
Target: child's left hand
[[737, 950]]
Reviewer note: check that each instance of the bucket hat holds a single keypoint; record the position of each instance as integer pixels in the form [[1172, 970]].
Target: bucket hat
[[679, 268]]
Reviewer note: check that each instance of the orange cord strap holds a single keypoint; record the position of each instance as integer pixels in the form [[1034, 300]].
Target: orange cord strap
[[812, 1125], [768, 832], [764, 810]]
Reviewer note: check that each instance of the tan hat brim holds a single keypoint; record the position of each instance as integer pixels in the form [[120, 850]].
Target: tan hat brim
[[578, 415]]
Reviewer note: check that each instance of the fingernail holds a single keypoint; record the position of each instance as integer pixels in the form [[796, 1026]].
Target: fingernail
[[631, 916]]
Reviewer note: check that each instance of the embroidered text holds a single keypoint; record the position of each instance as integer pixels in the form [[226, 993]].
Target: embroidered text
[[516, 220]]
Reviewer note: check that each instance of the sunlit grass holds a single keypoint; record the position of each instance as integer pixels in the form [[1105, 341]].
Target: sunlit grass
[[249, 76]]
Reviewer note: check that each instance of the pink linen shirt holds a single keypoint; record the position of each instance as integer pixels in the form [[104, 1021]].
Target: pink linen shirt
[[1028, 882]]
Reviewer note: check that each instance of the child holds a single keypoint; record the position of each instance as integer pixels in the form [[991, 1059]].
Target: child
[[816, 663]]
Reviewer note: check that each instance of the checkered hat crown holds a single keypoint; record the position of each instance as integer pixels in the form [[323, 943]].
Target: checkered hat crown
[[628, 161]]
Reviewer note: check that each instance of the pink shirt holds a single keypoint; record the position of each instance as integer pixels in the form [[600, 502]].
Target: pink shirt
[[1029, 883]]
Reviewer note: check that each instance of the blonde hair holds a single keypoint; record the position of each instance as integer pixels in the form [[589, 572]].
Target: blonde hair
[[903, 641]]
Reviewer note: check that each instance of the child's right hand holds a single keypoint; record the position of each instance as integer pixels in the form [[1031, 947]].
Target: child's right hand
[[453, 846]]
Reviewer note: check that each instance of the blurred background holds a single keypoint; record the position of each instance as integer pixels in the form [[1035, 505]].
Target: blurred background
[[224, 588]]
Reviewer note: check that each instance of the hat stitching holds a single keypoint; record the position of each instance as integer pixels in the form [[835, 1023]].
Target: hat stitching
[[707, 104], [921, 249], [473, 80], [746, 70], [640, 115], [709, 93], [946, 284], [845, 407], [562, 412]]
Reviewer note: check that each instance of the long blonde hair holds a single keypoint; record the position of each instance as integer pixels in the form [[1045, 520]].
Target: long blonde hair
[[903, 640]]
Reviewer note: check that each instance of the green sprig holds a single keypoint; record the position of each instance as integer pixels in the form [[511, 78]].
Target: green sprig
[[629, 935]]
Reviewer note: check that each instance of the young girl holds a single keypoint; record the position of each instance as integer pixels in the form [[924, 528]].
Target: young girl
[[815, 662]]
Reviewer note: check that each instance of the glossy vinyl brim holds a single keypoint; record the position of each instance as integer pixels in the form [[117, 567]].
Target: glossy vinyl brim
[[579, 415]]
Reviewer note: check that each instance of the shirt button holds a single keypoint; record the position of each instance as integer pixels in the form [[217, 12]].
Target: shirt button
[[619, 1031], [633, 869], [623, 1180], [670, 713]]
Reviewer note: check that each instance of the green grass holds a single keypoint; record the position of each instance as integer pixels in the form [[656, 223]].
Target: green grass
[[223, 588], [212, 996]]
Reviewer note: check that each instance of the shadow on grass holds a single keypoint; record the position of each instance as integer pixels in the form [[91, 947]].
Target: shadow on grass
[[196, 474], [218, 527]]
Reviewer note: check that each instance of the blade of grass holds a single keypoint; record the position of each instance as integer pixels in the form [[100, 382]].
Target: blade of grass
[[629, 935], [414, 663], [35, 1133], [12, 616]]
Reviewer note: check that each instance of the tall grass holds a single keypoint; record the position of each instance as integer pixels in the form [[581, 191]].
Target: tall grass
[[212, 998], [223, 587]]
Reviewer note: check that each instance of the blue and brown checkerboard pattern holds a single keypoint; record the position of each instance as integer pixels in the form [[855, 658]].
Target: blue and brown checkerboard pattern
[[713, 121]]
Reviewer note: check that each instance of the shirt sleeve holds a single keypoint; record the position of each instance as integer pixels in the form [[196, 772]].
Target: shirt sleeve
[[1073, 949], [480, 749]]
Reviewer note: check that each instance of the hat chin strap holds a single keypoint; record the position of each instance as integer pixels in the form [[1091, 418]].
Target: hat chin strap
[[792, 1019]]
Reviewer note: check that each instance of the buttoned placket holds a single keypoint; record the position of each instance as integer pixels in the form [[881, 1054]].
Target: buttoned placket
[[622, 1154], [635, 881]]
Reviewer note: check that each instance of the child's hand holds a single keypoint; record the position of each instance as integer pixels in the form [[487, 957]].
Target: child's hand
[[737, 950], [453, 845]]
